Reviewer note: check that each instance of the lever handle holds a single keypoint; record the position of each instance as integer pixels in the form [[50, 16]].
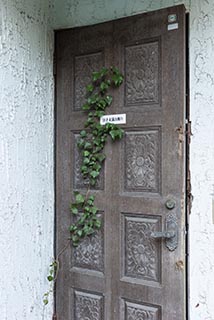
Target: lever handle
[[170, 235], [164, 234]]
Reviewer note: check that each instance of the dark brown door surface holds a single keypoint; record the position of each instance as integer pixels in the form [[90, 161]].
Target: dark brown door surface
[[125, 271]]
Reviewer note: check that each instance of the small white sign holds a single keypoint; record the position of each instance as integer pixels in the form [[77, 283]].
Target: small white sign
[[113, 118], [172, 26]]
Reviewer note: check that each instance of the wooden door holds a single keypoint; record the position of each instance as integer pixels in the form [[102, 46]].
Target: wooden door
[[126, 271]]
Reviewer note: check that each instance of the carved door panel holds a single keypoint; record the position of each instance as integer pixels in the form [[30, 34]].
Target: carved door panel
[[126, 271]]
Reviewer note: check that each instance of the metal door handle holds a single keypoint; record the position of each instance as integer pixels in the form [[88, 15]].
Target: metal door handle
[[164, 234], [170, 235]]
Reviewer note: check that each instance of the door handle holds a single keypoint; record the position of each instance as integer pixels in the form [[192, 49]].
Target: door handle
[[170, 235], [164, 234]]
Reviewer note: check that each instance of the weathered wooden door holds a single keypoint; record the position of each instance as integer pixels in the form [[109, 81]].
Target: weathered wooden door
[[134, 268]]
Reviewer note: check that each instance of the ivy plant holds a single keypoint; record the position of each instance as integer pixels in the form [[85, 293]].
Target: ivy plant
[[91, 144]]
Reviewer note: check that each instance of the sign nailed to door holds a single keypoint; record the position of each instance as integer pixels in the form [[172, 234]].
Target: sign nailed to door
[[113, 118]]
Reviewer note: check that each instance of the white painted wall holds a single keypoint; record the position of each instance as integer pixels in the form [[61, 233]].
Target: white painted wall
[[26, 158], [26, 144], [68, 13]]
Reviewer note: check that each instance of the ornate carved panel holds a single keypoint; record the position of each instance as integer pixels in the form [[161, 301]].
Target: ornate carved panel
[[142, 161], [142, 68], [135, 311], [83, 68], [141, 252], [88, 306], [79, 182], [90, 252]]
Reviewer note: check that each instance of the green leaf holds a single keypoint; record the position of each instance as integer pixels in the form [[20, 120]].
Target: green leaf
[[88, 122], [84, 169], [113, 134], [104, 86], [75, 239], [94, 210], [81, 143], [92, 182], [83, 133], [86, 107], [95, 76], [97, 167], [75, 244], [90, 88], [116, 133], [100, 157], [45, 301], [88, 145], [103, 72], [99, 113], [117, 79], [80, 233], [72, 228], [86, 160], [79, 198], [73, 209], [50, 278], [86, 153], [109, 100], [90, 231], [97, 224], [81, 221], [86, 208], [94, 174], [92, 197]]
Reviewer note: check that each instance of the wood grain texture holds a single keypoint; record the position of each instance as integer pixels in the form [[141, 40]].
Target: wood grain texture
[[147, 166]]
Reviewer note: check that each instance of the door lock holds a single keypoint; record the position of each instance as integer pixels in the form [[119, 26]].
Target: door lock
[[170, 204]]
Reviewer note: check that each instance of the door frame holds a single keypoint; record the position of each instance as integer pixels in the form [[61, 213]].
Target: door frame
[[188, 180]]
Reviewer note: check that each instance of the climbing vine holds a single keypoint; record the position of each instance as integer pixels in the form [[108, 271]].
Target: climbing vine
[[91, 145]]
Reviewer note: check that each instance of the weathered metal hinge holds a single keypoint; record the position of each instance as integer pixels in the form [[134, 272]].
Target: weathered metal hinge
[[189, 193], [188, 130]]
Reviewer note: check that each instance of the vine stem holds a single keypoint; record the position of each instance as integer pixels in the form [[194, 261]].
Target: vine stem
[[96, 103]]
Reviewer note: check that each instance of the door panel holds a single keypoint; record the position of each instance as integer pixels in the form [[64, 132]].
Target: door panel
[[123, 271]]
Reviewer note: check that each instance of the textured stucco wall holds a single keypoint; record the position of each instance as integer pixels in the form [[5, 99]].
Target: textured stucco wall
[[202, 160], [69, 13], [26, 158], [26, 145]]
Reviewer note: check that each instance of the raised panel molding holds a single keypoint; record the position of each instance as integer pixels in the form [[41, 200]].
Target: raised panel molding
[[88, 306], [142, 160], [83, 67], [141, 253], [142, 74], [90, 252], [79, 182], [135, 311]]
